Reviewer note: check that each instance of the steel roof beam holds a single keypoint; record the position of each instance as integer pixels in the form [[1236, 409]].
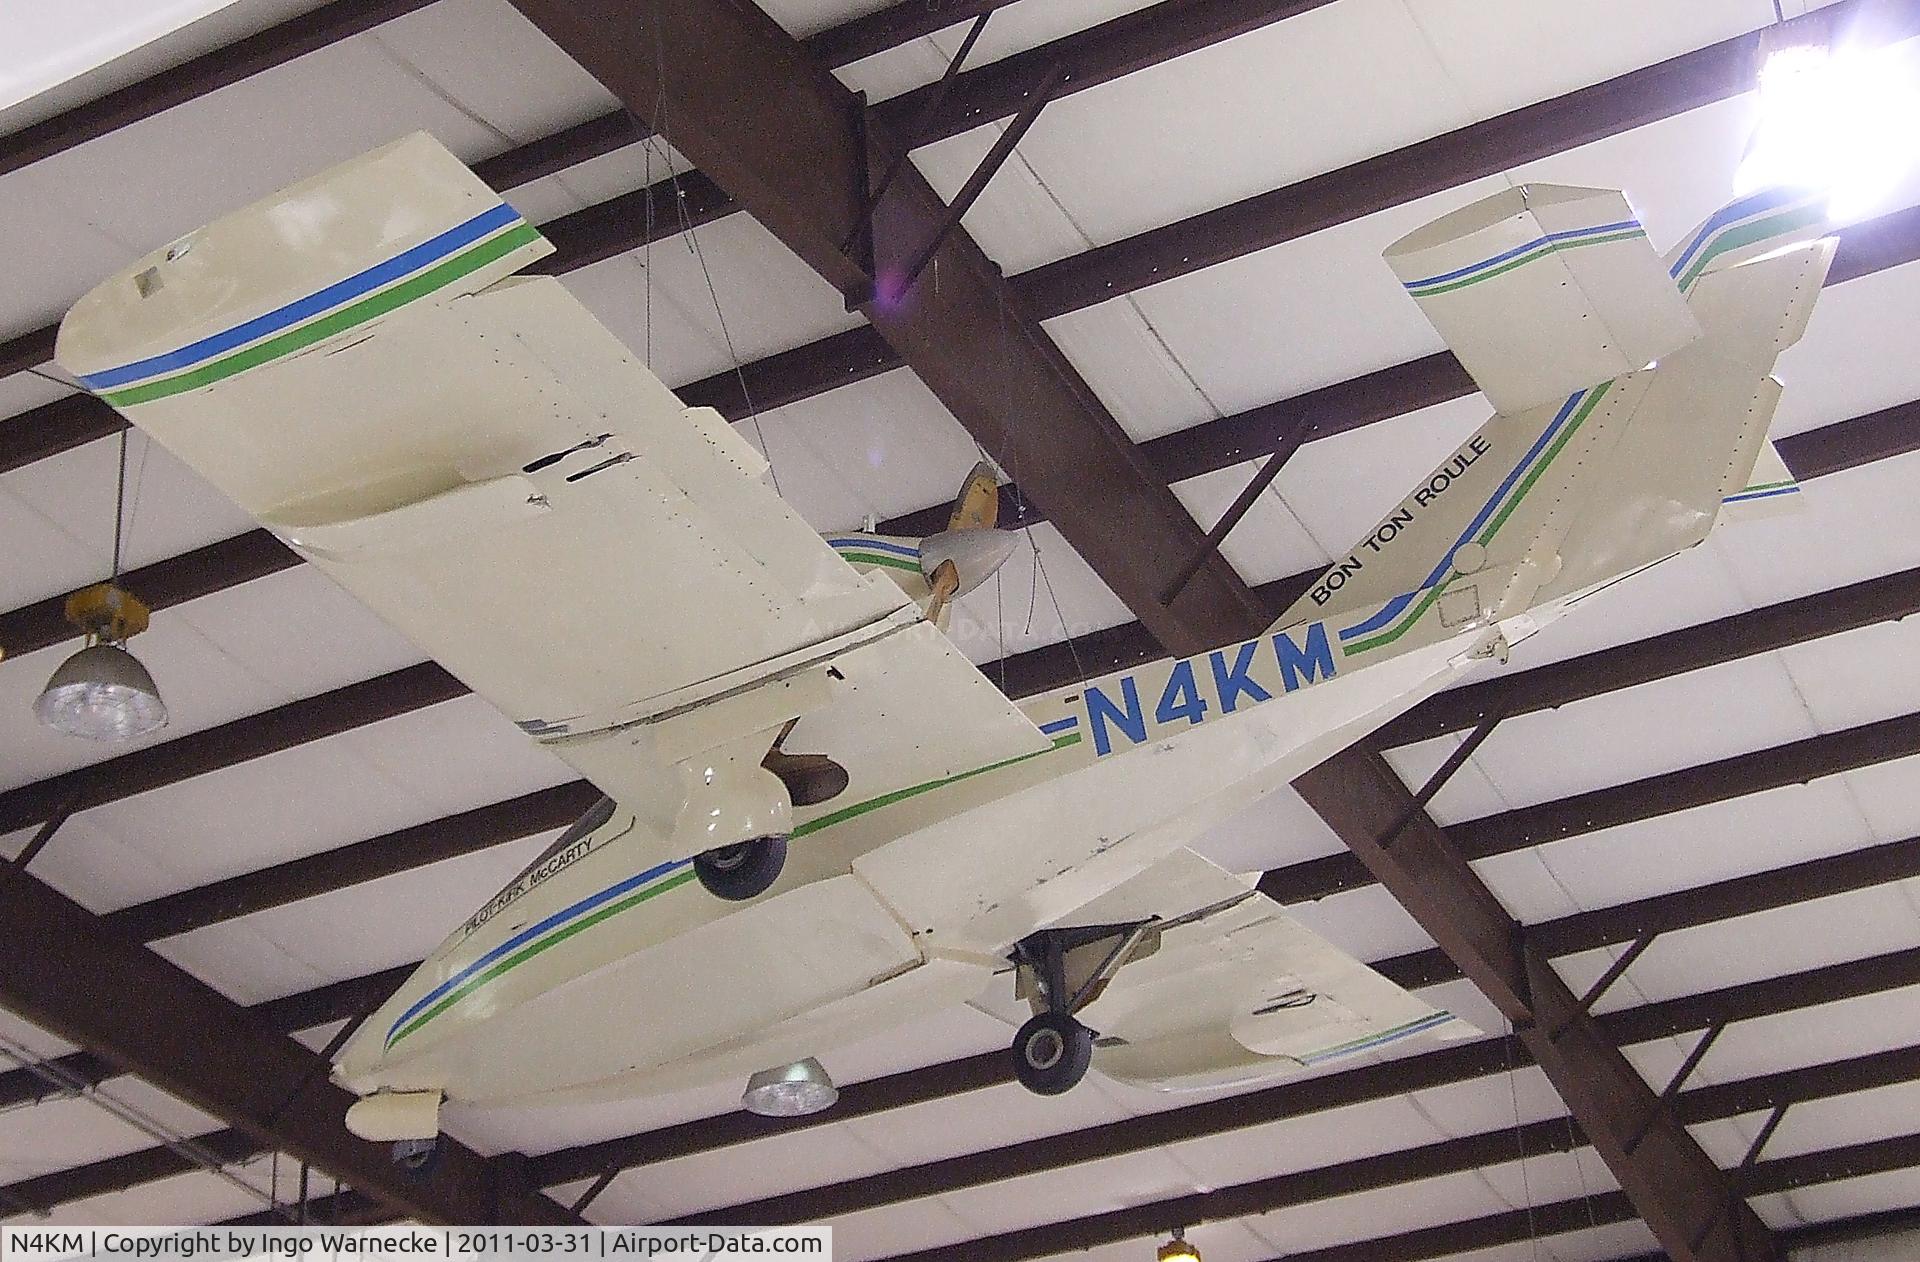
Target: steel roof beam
[[791, 144], [1672, 1181], [149, 1017]]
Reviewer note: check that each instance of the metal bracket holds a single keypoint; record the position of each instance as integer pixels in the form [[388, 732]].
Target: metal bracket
[[1438, 780], [1003, 148], [859, 244], [1064, 970], [1283, 450], [1665, 1102]]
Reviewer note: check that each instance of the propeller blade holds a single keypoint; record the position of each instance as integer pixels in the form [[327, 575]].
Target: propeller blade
[[945, 582], [977, 507]]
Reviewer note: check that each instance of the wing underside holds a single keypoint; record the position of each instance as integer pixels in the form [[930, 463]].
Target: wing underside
[[1237, 991]]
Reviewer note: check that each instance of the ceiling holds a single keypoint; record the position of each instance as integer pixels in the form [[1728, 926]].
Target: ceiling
[[1633, 785]]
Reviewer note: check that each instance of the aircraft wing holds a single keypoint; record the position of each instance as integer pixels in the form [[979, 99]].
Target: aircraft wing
[[1238, 991], [483, 464]]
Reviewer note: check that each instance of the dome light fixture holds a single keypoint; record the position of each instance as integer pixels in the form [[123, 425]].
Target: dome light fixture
[[102, 692], [1177, 1249], [790, 1090]]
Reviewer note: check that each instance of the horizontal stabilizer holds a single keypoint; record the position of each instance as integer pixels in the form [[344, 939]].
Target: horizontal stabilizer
[[1543, 290], [1771, 490]]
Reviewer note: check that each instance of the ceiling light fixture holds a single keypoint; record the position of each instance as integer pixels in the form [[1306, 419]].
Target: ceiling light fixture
[[103, 692], [1177, 1249], [790, 1091], [1836, 117]]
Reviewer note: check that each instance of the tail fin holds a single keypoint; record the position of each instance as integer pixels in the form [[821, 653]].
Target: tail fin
[[1550, 501]]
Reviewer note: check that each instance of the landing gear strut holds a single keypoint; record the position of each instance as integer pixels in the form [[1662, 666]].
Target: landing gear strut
[[1059, 972]]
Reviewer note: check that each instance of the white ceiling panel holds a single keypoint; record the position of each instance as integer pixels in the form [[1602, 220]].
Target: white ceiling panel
[[94, 868], [997, 1117], [1851, 526], [1791, 939], [455, 756], [149, 182], [1526, 887], [1503, 54], [1853, 359], [1301, 315], [1253, 115], [73, 246], [309, 798], [1854, 1198], [1467, 794], [43, 558], [497, 66], [894, 1229], [1859, 677], [1690, 848], [245, 966], [170, 509], [1673, 723], [1133, 371], [298, 630], [185, 1198], [1519, 1096], [1543, 1178], [1818, 1035], [1384, 1212], [1306, 1142], [1277, 830], [884, 446], [395, 920], [1888, 796], [1095, 1187], [822, 1154], [1366, 923], [1012, 29], [59, 1133]]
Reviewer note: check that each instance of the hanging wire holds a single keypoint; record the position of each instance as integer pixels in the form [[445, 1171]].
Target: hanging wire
[[120, 504], [1520, 1141], [660, 129], [1580, 1167]]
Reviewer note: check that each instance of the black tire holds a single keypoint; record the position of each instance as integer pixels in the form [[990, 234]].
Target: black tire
[[739, 872], [418, 1158], [1051, 1053]]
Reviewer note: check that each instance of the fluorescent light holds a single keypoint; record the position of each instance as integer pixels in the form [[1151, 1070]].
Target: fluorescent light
[[1842, 120]]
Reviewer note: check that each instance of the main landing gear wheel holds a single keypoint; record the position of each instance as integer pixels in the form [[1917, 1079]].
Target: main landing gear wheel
[[418, 1158], [1051, 1053], [741, 871]]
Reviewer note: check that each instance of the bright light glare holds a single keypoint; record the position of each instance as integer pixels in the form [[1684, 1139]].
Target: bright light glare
[[1843, 120]]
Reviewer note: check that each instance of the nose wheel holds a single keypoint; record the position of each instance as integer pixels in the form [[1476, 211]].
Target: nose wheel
[[741, 871]]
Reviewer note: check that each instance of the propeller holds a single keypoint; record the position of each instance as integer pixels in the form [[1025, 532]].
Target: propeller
[[971, 548]]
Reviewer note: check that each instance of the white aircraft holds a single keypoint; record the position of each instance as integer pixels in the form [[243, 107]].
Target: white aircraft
[[821, 820]]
